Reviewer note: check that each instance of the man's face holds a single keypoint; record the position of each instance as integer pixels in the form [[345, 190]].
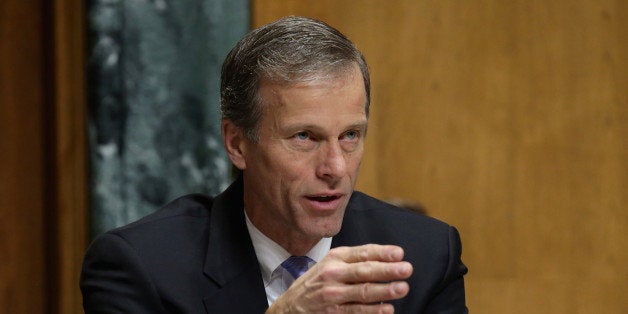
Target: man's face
[[300, 174]]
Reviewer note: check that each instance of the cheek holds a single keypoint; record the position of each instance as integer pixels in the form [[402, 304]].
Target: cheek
[[265, 160], [354, 161], [284, 171], [293, 166]]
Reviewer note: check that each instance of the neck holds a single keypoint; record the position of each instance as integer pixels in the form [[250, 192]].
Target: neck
[[293, 242], [297, 247]]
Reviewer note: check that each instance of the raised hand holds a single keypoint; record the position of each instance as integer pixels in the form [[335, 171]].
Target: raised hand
[[349, 280]]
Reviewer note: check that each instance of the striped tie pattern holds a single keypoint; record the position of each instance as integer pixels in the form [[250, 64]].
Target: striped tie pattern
[[296, 265]]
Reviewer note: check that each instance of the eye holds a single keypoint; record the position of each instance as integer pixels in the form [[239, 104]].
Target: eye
[[350, 135], [303, 141], [350, 140], [302, 136]]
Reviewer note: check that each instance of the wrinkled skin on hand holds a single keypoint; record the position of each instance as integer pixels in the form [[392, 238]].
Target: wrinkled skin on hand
[[349, 280]]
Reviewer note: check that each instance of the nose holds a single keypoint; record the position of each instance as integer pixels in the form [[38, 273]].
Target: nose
[[333, 164]]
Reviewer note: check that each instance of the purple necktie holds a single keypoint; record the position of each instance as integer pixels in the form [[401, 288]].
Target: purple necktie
[[296, 265]]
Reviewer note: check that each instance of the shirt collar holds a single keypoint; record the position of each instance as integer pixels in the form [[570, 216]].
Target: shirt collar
[[270, 254]]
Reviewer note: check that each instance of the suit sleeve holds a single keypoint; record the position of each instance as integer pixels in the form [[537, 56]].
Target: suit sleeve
[[450, 298], [113, 279]]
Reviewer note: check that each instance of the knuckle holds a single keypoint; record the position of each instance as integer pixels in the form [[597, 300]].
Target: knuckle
[[338, 252], [363, 271], [364, 292], [363, 253], [330, 272], [329, 295], [333, 309], [387, 309]]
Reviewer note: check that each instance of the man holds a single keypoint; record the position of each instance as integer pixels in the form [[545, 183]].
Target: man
[[289, 235]]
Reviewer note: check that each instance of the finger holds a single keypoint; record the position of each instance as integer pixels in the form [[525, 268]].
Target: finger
[[383, 308], [365, 293], [368, 252], [375, 272]]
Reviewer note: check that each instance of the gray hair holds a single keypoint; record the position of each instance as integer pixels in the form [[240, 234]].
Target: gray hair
[[290, 50]]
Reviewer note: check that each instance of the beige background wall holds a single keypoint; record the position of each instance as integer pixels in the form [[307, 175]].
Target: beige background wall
[[509, 120]]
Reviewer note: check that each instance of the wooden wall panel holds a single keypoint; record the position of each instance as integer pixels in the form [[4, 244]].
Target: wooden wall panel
[[23, 280], [509, 120], [42, 156], [70, 224]]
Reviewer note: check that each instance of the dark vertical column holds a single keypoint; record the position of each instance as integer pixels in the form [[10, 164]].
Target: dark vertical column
[[23, 159], [154, 121]]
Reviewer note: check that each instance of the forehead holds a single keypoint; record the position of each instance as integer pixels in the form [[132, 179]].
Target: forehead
[[327, 107], [342, 87]]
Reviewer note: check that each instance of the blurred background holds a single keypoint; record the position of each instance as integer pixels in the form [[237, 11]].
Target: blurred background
[[506, 119]]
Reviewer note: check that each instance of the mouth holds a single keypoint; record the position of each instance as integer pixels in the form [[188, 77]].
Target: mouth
[[323, 198], [324, 202]]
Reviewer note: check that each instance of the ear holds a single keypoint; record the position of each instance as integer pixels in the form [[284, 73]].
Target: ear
[[235, 143]]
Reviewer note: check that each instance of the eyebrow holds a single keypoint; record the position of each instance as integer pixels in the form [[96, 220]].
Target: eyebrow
[[362, 125]]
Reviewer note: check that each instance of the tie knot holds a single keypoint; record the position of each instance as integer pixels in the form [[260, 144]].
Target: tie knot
[[296, 265]]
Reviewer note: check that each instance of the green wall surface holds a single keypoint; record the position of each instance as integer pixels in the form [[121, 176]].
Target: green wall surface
[[154, 117]]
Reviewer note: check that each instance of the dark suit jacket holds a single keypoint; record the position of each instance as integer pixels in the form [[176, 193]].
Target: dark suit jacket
[[195, 256]]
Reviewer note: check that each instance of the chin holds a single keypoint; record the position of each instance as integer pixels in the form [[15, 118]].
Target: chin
[[331, 234], [328, 231]]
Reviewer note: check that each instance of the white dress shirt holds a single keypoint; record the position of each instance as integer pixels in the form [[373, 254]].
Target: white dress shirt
[[270, 256]]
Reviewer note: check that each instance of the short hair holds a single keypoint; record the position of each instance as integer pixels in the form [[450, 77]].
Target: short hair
[[290, 50]]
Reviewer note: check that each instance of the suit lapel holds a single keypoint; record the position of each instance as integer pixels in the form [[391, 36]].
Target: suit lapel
[[230, 261]]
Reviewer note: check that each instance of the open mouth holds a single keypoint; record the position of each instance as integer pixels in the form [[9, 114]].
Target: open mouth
[[327, 198], [324, 203]]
